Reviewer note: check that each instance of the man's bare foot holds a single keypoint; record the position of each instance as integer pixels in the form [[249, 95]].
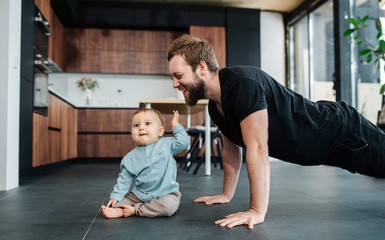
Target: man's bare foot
[[128, 210], [112, 212]]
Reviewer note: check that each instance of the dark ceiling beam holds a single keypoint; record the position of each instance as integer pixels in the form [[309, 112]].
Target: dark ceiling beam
[[67, 10], [95, 14]]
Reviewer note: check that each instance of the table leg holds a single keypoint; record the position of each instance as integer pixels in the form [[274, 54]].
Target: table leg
[[188, 125], [208, 141]]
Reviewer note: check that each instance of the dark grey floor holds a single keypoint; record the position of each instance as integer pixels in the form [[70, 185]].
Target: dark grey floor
[[305, 203]]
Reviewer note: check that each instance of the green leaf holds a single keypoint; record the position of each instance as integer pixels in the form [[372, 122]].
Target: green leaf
[[382, 90], [359, 43], [378, 25], [369, 58], [376, 66], [378, 51], [365, 51], [382, 45], [362, 21], [353, 21], [379, 35], [356, 37], [348, 32]]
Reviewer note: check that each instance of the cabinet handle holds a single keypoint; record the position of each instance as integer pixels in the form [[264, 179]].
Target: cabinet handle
[[39, 19], [43, 64]]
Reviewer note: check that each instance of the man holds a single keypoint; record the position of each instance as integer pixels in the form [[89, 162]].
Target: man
[[254, 111]]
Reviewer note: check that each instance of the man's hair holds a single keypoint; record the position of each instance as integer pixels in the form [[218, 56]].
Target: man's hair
[[143, 109], [193, 50]]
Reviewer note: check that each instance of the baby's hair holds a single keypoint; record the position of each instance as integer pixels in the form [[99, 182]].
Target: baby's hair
[[143, 109]]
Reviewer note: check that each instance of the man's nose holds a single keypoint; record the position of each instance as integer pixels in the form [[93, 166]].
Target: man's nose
[[175, 83]]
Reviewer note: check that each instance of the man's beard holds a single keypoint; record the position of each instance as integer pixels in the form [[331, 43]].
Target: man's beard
[[196, 91]]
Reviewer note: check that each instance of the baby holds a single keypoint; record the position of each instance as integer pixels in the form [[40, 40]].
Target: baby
[[151, 167]]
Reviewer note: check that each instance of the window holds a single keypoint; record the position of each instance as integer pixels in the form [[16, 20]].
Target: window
[[367, 82], [299, 57], [312, 54]]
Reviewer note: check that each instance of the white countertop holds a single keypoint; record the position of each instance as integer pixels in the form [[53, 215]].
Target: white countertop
[[132, 87], [66, 99]]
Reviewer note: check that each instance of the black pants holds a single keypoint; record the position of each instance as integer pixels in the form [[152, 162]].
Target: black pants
[[362, 150]]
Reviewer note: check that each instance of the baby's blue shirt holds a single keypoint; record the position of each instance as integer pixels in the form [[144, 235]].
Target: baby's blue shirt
[[152, 168]]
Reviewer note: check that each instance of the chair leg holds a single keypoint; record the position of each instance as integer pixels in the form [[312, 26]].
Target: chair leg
[[215, 159], [189, 153], [192, 158], [201, 159]]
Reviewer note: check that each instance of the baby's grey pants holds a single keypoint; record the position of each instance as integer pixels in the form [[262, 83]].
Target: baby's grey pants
[[162, 206]]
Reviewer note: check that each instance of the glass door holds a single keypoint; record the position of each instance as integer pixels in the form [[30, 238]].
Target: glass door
[[321, 39], [299, 57], [312, 54], [368, 82]]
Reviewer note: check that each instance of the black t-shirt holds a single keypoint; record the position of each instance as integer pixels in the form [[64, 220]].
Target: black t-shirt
[[300, 130]]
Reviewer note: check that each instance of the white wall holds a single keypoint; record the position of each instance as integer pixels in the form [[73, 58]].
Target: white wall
[[10, 25], [273, 45], [133, 86]]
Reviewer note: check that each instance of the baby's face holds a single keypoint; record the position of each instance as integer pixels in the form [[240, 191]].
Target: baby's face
[[146, 128]]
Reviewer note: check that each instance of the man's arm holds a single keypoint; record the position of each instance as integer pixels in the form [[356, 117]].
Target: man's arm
[[232, 162], [255, 135]]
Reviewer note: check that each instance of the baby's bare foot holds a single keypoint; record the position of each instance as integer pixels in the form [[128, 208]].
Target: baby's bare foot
[[128, 210], [112, 212]]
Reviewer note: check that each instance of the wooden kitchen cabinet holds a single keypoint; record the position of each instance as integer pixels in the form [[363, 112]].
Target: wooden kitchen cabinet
[[104, 133], [40, 145], [68, 131], [55, 136], [55, 42], [104, 120], [216, 37], [54, 128], [54, 146], [72, 132], [104, 145], [116, 50], [44, 7], [54, 111], [64, 131]]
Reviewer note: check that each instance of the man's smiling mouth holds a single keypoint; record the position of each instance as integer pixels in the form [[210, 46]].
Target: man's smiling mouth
[[183, 90]]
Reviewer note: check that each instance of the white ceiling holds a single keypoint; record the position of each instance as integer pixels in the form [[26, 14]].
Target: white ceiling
[[270, 5]]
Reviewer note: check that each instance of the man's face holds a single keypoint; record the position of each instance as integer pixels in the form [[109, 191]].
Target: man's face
[[187, 81]]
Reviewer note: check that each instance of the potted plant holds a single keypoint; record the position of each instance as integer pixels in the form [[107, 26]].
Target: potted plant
[[86, 85], [372, 51]]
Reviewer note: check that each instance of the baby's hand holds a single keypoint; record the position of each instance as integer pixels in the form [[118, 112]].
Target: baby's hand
[[112, 202], [175, 119]]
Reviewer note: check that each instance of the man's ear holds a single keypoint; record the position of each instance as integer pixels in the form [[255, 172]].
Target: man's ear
[[161, 131], [202, 67]]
